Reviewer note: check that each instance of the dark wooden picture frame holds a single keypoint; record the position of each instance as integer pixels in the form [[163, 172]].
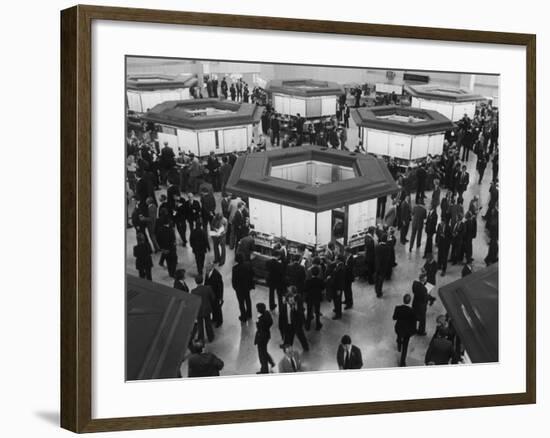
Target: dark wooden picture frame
[[76, 222]]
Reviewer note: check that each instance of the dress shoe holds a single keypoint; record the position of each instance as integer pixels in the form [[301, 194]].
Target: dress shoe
[[336, 317], [319, 327], [348, 307]]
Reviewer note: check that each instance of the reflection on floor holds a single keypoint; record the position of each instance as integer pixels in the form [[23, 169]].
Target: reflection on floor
[[369, 323]]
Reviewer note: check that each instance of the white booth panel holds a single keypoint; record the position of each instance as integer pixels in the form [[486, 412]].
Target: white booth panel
[[313, 107], [376, 142], [298, 225], [286, 105], [361, 216], [415, 102], [399, 146], [444, 108], [172, 140], [265, 216], [460, 109], [134, 101], [234, 140], [207, 143], [297, 106], [278, 103], [435, 144], [388, 88], [419, 146], [188, 141], [328, 106], [166, 95], [184, 94], [149, 100], [324, 227]]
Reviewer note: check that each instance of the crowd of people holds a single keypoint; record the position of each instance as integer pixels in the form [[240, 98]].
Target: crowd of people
[[172, 204]]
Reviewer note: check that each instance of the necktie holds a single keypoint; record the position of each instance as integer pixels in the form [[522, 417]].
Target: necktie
[[346, 363]]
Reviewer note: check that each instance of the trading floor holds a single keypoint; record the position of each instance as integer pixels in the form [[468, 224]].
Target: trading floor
[[369, 323]]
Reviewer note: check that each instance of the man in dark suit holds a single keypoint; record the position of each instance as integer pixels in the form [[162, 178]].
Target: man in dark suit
[[383, 264], [238, 225], [463, 181], [275, 279], [405, 217], [470, 234], [313, 291], [443, 242], [208, 302], [440, 350], [370, 254], [200, 245], [419, 215], [348, 291], [296, 274], [431, 226], [420, 302], [202, 363], [292, 319], [421, 175], [430, 267], [337, 280], [405, 327], [458, 232], [214, 279], [263, 335], [348, 355], [242, 280]]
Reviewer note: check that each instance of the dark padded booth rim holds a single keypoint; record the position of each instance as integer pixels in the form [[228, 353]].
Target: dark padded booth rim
[[368, 117], [166, 113], [250, 178], [472, 303], [284, 86]]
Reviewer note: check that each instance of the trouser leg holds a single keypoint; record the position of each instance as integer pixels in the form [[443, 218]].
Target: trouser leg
[[404, 348]]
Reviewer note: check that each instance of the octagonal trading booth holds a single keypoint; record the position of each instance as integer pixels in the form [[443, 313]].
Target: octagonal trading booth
[[204, 125], [472, 304], [145, 91], [403, 133], [452, 102], [310, 195], [310, 98]]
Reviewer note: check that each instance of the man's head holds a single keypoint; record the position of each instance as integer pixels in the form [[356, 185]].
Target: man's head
[[198, 346], [199, 279], [179, 274], [288, 350], [260, 307], [422, 276], [346, 342], [406, 299]]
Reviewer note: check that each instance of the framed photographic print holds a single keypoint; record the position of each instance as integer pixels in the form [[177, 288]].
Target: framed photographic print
[[312, 208]]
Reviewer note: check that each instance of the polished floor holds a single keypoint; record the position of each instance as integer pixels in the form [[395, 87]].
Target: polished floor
[[369, 323]]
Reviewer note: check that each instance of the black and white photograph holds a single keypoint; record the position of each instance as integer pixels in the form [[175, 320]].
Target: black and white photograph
[[286, 218]]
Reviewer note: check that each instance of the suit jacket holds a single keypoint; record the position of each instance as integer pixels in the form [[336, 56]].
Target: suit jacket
[[420, 294], [263, 328], [431, 222], [275, 273], [405, 213], [285, 365], [204, 365], [443, 236], [199, 241], [419, 214], [297, 317], [436, 195], [242, 278], [369, 248], [215, 281], [440, 351], [208, 300], [296, 276], [181, 285], [313, 289], [405, 320], [383, 257], [355, 360], [350, 263]]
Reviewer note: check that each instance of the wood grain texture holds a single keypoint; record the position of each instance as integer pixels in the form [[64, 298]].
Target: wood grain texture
[[76, 224]]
